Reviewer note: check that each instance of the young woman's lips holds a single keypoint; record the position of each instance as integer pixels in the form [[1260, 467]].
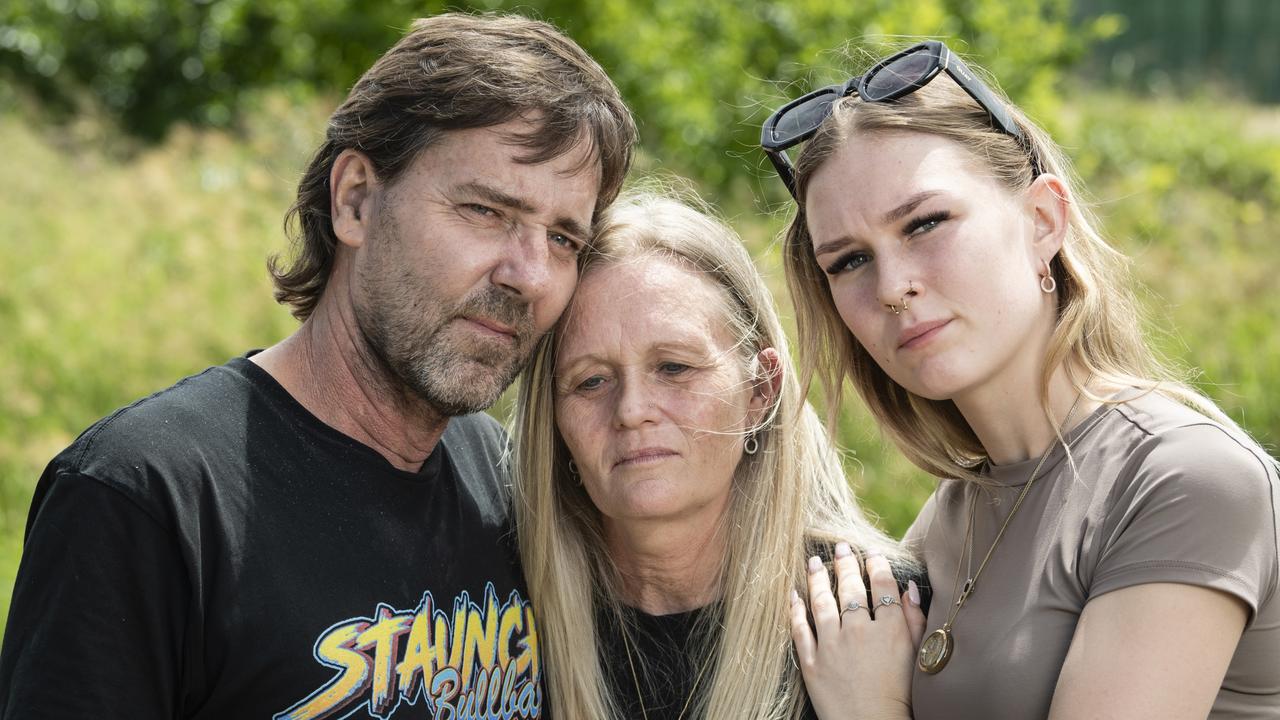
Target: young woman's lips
[[644, 456], [920, 333]]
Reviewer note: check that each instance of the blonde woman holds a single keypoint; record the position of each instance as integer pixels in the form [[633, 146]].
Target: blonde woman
[[674, 492], [1102, 542]]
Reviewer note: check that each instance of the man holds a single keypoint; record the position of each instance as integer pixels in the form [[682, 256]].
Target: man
[[317, 530]]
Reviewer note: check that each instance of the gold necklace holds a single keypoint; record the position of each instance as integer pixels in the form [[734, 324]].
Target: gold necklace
[[640, 693], [937, 649]]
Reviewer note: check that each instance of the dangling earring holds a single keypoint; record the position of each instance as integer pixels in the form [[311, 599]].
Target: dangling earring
[[1047, 282], [751, 445], [573, 472]]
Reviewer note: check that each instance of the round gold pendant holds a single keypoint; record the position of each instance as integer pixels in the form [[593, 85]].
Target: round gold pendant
[[935, 651]]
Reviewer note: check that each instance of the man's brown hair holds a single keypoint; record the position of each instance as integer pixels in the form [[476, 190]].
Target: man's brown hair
[[456, 72]]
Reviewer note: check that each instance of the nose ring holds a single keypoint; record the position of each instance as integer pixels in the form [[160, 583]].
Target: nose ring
[[911, 290]]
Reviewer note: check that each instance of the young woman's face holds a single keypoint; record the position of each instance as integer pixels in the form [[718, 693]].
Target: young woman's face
[[651, 394], [908, 221]]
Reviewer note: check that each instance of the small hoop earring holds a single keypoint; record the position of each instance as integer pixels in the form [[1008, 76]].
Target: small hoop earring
[[1047, 282], [573, 472], [751, 445]]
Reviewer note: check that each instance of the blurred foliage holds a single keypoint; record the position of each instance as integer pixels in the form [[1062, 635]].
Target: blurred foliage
[[1161, 46], [701, 76]]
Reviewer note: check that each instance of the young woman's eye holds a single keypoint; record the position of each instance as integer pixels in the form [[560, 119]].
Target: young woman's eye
[[925, 223], [848, 261]]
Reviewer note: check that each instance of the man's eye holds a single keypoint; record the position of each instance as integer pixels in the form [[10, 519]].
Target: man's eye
[[565, 241], [481, 210]]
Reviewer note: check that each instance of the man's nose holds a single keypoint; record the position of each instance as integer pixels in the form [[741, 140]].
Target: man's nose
[[524, 268]]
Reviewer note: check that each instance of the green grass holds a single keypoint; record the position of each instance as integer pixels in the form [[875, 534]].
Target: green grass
[[121, 272]]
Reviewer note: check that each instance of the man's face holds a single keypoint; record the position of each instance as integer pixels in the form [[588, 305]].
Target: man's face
[[469, 257]]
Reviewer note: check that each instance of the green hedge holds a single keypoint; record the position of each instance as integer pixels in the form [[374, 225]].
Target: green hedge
[[699, 73]]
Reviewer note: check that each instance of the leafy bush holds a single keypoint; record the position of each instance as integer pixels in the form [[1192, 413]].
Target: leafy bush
[[695, 71]]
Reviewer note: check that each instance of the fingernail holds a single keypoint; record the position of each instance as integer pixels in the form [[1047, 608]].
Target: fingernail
[[913, 593], [795, 597], [815, 564], [871, 554], [842, 550]]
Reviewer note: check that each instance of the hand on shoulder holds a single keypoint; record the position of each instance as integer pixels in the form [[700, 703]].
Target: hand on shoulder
[[858, 653]]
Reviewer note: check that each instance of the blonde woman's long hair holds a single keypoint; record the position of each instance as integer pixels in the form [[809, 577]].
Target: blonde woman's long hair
[[1098, 333], [789, 498]]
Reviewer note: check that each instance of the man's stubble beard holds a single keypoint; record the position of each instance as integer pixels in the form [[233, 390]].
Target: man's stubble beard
[[422, 345]]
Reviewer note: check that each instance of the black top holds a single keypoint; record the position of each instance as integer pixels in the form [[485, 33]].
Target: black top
[[667, 655], [215, 551], [662, 657]]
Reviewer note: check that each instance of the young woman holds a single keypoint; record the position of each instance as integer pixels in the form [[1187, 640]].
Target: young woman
[[1103, 539], [673, 490]]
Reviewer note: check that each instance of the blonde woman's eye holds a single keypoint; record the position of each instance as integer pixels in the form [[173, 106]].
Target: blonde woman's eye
[[591, 383], [849, 261], [925, 223]]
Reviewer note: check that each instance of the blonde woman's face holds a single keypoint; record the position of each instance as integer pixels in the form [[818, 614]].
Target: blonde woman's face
[[907, 222], [651, 396]]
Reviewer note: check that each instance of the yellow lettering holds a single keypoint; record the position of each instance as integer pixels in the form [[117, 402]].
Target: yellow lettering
[[481, 637], [418, 665], [512, 620], [335, 649], [384, 639]]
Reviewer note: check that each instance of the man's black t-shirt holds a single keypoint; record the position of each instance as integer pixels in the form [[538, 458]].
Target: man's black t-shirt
[[215, 551]]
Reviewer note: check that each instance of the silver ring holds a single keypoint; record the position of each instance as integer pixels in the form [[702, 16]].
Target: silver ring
[[888, 600], [854, 605]]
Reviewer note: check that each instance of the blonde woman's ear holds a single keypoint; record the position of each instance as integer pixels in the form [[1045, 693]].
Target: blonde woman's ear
[[1049, 205], [766, 379]]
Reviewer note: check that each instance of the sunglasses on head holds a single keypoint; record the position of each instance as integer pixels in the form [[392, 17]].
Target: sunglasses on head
[[893, 77]]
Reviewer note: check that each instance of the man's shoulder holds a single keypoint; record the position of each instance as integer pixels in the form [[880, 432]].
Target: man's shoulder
[[475, 433], [162, 432], [477, 447]]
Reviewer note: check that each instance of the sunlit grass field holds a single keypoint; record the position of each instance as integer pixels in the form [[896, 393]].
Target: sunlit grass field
[[122, 270]]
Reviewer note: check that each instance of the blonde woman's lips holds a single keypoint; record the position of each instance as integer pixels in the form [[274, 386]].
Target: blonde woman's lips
[[645, 455], [920, 333]]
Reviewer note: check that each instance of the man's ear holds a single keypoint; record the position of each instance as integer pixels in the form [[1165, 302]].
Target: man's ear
[[766, 383], [1049, 205], [352, 183]]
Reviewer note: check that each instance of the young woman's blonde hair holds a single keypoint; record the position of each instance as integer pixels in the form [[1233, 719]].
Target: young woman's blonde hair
[[789, 498], [1098, 333]]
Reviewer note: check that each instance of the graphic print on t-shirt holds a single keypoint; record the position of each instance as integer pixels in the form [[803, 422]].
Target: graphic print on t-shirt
[[478, 661]]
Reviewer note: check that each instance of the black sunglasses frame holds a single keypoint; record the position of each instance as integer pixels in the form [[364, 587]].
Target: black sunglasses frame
[[941, 60]]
